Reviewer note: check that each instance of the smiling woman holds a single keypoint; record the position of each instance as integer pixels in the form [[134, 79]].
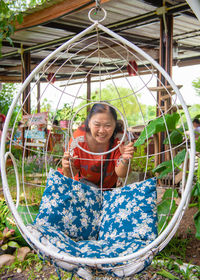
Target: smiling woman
[[100, 133]]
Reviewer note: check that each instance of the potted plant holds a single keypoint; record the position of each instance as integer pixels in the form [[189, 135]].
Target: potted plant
[[64, 115]]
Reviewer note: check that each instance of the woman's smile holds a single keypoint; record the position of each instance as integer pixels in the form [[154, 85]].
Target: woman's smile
[[102, 126]]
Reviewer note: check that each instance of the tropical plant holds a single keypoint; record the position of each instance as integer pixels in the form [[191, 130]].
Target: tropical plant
[[166, 167], [196, 199], [158, 125], [7, 22], [166, 208], [176, 137]]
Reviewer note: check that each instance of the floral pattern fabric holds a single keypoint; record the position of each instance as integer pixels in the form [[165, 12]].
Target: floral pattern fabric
[[130, 213], [70, 206]]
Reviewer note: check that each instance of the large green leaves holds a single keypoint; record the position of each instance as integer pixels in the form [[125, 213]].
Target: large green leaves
[[197, 224], [167, 122], [168, 166], [166, 208], [198, 145]]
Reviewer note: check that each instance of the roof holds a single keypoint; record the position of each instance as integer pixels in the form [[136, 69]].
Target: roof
[[48, 26]]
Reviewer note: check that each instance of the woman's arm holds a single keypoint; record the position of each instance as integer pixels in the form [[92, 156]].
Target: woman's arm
[[123, 163]]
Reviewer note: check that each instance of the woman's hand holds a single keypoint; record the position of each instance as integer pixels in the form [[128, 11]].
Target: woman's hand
[[126, 151], [126, 154], [68, 164]]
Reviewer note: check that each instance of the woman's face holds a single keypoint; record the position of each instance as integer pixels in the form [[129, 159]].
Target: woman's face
[[102, 126]]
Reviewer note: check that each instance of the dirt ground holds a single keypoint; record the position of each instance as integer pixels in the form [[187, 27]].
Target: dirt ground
[[187, 230]]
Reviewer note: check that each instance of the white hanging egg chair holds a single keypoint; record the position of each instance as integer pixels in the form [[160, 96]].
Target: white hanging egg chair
[[101, 54]]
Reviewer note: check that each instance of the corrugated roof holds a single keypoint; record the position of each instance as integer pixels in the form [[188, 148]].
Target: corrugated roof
[[137, 21]]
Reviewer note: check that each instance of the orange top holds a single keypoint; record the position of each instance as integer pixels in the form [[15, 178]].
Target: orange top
[[90, 166]]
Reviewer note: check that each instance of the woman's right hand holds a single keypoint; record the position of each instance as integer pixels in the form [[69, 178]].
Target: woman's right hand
[[67, 164]]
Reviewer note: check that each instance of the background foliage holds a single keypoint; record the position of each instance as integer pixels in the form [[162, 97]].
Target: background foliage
[[12, 12], [6, 97], [196, 85]]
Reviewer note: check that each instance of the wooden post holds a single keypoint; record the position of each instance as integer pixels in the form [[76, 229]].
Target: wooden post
[[165, 60], [26, 69], [38, 97], [26, 98], [88, 91]]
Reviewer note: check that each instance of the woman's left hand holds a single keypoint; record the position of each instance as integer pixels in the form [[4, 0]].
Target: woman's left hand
[[126, 150]]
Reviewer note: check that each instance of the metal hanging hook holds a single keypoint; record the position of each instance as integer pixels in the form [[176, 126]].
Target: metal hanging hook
[[95, 10], [98, 5]]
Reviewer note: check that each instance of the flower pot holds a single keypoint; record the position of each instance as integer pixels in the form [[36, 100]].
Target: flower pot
[[64, 123]]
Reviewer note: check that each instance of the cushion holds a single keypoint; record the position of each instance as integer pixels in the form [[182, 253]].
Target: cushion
[[54, 239], [130, 213], [70, 206], [127, 224]]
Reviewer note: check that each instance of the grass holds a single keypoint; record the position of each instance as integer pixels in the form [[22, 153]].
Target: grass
[[170, 262], [31, 189], [32, 268], [176, 247], [173, 255]]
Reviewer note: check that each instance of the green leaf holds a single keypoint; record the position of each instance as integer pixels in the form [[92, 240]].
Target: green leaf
[[4, 247], [165, 207], [162, 166], [198, 171], [175, 137], [167, 274], [179, 158], [20, 18], [170, 193], [167, 167], [198, 144], [196, 190], [165, 172], [197, 224], [10, 41], [13, 244], [11, 28], [158, 125]]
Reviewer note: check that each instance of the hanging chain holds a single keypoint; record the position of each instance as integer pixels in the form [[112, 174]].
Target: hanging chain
[[98, 5]]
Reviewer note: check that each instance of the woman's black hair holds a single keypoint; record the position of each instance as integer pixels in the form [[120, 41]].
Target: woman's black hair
[[196, 120], [102, 108]]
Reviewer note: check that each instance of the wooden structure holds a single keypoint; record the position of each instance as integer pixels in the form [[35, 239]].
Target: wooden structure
[[155, 27]]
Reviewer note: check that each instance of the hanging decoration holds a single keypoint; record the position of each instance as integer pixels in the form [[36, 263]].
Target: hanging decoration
[[132, 68], [51, 77]]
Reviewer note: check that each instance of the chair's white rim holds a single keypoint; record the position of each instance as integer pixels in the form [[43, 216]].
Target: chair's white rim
[[187, 190]]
